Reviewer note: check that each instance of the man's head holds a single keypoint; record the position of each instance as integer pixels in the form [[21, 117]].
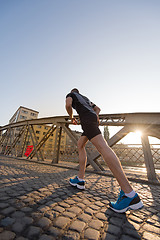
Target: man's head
[[75, 90]]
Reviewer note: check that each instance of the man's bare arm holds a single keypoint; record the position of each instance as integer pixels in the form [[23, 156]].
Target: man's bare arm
[[97, 110], [69, 107]]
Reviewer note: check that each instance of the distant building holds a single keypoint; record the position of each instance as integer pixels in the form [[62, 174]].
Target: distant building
[[49, 146], [22, 114]]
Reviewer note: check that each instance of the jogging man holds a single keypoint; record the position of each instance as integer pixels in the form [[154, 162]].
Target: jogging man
[[88, 114]]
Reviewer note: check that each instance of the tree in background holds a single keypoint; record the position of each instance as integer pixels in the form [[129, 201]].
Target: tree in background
[[106, 133]]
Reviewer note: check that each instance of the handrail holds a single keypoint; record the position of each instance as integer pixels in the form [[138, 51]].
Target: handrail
[[121, 119]]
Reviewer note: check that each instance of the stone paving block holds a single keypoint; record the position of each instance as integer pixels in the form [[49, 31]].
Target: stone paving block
[[12, 201], [155, 217], [151, 221], [150, 236], [137, 216], [46, 237], [131, 232], [85, 217], [136, 219], [64, 205], [19, 205], [71, 235], [96, 224], [7, 235], [152, 210], [61, 222], [18, 227], [126, 237], [8, 210], [49, 215], [21, 238], [27, 209], [28, 200], [77, 225], [70, 201], [4, 205], [151, 228], [97, 199], [75, 210], [77, 199], [131, 224], [81, 205], [69, 214], [116, 221], [108, 236], [91, 234], [27, 220], [55, 214], [94, 207], [59, 209], [109, 212], [99, 203], [157, 224], [36, 215], [54, 231], [101, 216], [22, 197], [50, 203], [103, 210], [44, 222], [86, 202], [33, 232], [89, 211], [4, 198], [56, 200], [18, 214], [113, 229], [43, 208], [7, 221]]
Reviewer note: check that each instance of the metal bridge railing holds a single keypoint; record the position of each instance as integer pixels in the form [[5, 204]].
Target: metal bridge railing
[[15, 137]]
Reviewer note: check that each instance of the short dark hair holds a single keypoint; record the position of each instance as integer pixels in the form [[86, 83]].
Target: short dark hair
[[75, 90]]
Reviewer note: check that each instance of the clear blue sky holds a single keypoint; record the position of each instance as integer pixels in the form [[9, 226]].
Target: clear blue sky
[[110, 50]]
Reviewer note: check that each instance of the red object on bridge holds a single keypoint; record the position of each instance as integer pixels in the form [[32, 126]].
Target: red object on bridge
[[29, 149]]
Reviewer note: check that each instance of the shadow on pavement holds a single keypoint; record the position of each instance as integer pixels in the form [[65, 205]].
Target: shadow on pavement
[[120, 226]]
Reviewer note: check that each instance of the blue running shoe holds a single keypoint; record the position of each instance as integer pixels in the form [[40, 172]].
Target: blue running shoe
[[76, 183], [125, 203]]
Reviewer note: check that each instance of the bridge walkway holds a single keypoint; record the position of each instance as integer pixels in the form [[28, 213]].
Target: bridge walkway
[[36, 202]]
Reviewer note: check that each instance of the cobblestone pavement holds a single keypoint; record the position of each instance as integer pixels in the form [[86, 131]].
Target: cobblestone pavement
[[36, 202]]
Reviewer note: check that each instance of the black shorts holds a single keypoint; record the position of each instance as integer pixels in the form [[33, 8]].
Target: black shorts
[[90, 126]]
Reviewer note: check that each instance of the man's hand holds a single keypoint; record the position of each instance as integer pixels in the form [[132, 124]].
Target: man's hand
[[74, 121], [98, 120], [97, 110]]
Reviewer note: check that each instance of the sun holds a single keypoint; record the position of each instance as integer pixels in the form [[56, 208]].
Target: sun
[[138, 133], [133, 137]]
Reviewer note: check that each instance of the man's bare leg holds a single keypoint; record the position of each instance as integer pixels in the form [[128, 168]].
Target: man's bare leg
[[82, 156], [112, 162]]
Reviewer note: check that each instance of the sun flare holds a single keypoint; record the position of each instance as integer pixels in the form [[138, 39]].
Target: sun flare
[[133, 137], [138, 133]]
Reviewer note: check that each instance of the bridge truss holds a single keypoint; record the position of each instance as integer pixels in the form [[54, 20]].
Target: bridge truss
[[148, 123]]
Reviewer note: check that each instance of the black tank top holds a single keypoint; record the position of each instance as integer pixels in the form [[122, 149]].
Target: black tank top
[[81, 104]]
